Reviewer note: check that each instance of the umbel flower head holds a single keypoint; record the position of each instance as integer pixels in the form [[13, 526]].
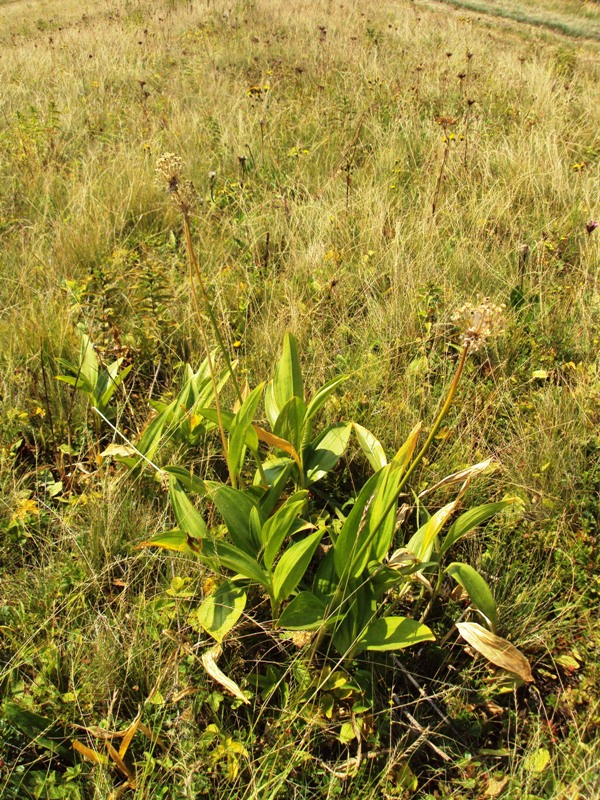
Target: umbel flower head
[[478, 323], [169, 169]]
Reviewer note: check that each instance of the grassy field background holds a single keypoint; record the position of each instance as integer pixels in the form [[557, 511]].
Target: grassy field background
[[362, 169]]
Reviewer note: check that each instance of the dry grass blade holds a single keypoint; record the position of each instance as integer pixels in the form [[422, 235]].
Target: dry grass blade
[[496, 649], [91, 755], [129, 734], [153, 737], [121, 765]]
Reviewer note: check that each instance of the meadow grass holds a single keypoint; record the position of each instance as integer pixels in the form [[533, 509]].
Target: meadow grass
[[324, 126]]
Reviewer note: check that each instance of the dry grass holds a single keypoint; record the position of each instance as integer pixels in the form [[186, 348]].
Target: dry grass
[[328, 231]]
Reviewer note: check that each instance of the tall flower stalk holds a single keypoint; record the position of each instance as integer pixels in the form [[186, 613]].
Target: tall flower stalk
[[169, 169]]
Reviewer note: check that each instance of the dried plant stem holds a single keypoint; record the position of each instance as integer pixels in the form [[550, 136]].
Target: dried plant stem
[[411, 679], [195, 272], [195, 275], [440, 417], [440, 177], [467, 124]]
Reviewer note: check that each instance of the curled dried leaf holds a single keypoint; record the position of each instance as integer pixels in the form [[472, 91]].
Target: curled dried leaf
[[458, 477], [496, 649], [209, 662]]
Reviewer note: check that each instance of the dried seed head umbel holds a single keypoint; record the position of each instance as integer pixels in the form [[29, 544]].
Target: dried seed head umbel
[[169, 170], [478, 323]]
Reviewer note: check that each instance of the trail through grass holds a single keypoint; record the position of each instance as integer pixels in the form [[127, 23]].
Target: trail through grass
[[581, 20]]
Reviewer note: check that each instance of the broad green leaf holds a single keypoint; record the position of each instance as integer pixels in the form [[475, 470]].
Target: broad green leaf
[[347, 734], [292, 565], [114, 380], [278, 527], [180, 587], [100, 388], [320, 397], [370, 446], [88, 361], [382, 540], [404, 454], [43, 731], [186, 395], [189, 518], [476, 588], [287, 381], [150, 439], [304, 613], [173, 421], [255, 523], [176, 540], [189, 481], [394, 633], [570, 663], [212, 414], [537, 761], [471, 519], [235, 507], [403, 778], [79, 383], [348, 542], [271, 407], [323, 454], [273, 467], [277, 473], [422, 542], [355, 613], [382, 525], [325, 581], [385, 578], [227, 418], [236, 560], [290, 422], [221, 610], [240, 426], [203, 393], [496, 649], [366, 534], [114, 450]]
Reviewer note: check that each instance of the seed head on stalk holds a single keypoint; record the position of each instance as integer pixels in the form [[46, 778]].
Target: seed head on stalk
[[478, 323], [169, 169]]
